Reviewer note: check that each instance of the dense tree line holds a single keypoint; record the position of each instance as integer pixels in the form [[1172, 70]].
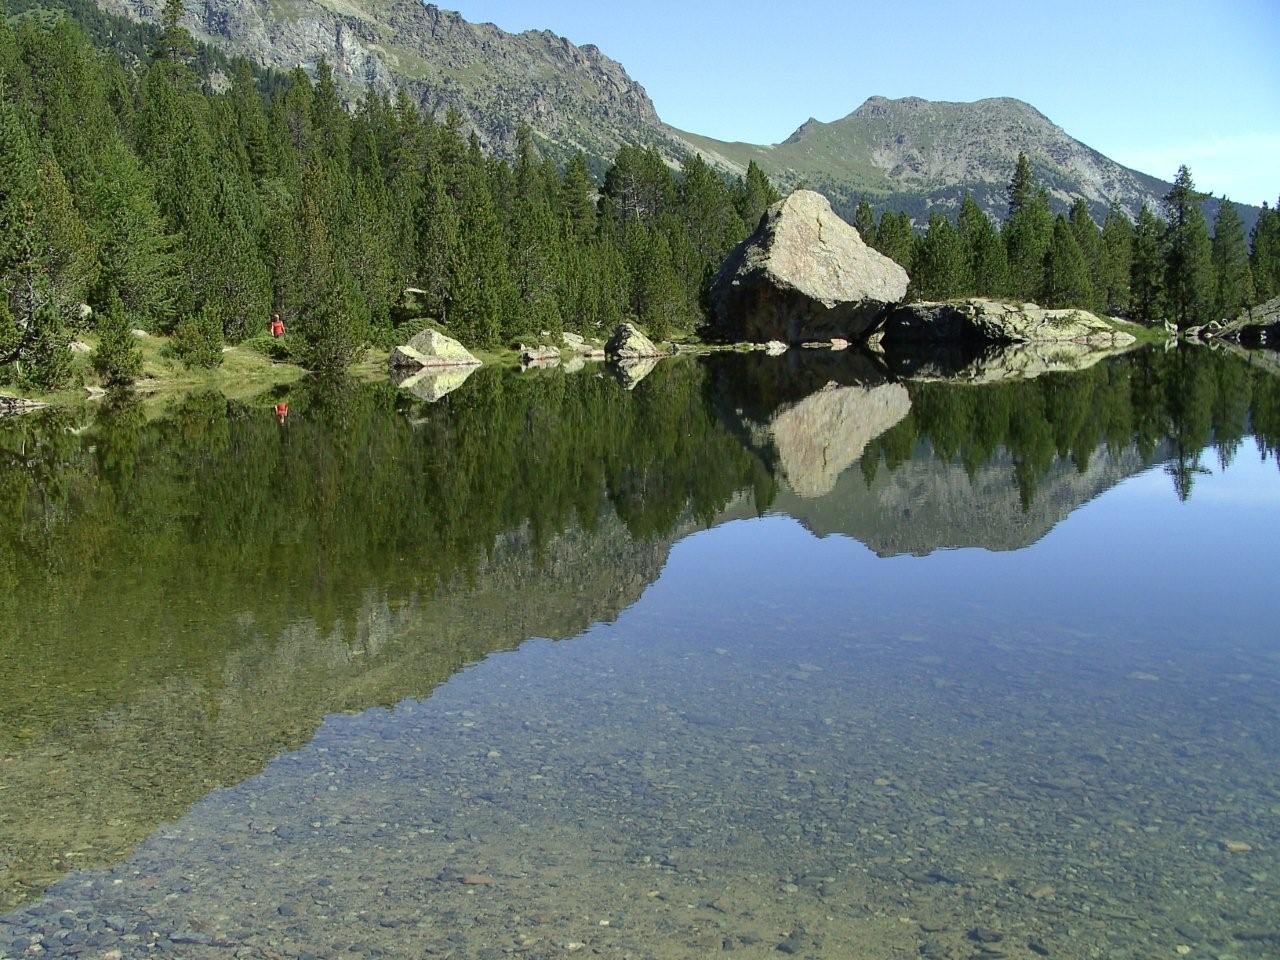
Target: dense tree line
[[165, 206], [1164, 266]]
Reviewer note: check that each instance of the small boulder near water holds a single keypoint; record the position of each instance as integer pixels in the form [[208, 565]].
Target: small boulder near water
[[431, 348], [1256, 326], [628, 343], [995, 321], [804, 275]]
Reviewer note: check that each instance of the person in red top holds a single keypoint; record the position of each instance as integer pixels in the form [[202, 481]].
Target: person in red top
[[277, 325]]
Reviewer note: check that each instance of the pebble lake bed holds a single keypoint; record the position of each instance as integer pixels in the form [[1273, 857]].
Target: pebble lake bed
[[981, 692]]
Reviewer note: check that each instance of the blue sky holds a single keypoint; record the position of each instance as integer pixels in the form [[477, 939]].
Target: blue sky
[[1149, 84]]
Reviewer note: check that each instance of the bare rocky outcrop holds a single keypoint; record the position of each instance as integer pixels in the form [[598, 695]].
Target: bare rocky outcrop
[[804, 275], [1255, 327], [429, 349], [994, 321]]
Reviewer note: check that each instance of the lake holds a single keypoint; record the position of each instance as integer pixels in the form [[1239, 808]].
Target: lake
[[751, 655]]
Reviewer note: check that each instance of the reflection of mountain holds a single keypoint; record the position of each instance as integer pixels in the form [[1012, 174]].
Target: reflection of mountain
[[929, 504], [182, 599], [89, 777]]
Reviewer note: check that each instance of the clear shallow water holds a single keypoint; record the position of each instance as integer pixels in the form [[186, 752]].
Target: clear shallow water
[[345, 733]]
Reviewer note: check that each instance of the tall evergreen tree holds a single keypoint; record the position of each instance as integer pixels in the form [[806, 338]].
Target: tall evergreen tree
[[1230, 264], [864, 218], [1264, 253], [758, 195], [1066, 273], [941, 269], [895, 238], [1115, 260], [117, 359], [1189, 281], [1027, 232], [988, 264], [1146, 275], [1089, 240]]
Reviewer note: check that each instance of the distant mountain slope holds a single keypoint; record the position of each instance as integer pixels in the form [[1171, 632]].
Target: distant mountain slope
[[573, 97], [909, 154], [914, 154]]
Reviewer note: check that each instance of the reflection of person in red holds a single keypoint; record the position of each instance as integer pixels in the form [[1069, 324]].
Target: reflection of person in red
[[282, 412], [277, 325]]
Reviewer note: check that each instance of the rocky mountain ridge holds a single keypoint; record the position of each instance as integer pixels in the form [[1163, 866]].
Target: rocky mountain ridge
[[574, 98], [908, 153]]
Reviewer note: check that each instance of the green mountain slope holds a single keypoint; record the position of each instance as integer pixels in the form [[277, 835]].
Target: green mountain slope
[[915, 154]]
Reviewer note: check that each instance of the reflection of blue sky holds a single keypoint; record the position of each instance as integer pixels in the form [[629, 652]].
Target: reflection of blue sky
[[1135, 558]]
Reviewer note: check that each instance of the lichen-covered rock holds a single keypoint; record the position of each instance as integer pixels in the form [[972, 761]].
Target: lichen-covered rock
[[431, 348], [994, 321], [804, 275], [539, 354], [628, 343]]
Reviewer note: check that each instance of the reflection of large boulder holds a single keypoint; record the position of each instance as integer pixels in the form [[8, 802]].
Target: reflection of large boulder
[[431, 348], [994, 321], [432, 383], [819, 438], [631, 372], [804, 275], [996, 363]]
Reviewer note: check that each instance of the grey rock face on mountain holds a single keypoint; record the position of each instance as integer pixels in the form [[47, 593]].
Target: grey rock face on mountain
[[995, 321], [915, 154], [804, 275], [572, 97]]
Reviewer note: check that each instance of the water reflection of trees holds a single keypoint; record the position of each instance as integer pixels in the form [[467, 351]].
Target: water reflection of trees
[[1196, 401]]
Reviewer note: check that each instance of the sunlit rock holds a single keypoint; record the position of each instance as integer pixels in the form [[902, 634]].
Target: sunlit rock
[[804, 275]]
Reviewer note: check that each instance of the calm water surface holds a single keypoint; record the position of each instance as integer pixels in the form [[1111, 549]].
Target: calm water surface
[[758, 656]]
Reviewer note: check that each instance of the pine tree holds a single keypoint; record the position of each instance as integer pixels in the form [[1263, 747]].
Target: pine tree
[[1264, 255], [1146, 276], [895, 238], [117, 359], [536, 267], [864, 218], [576, 199], [22, 285], [439, 245], [1230, 264], [658, 298], [758, 195], [197, 339], [1115, 262], [988, 265], [1089, 240], [941, 263], [1027, 232], [1189, 281], [1066, 273], [175, 44]]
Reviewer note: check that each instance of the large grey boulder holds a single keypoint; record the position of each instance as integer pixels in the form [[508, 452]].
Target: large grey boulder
[[994, 321], [628, 343], [431, 348], [804, 275]]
